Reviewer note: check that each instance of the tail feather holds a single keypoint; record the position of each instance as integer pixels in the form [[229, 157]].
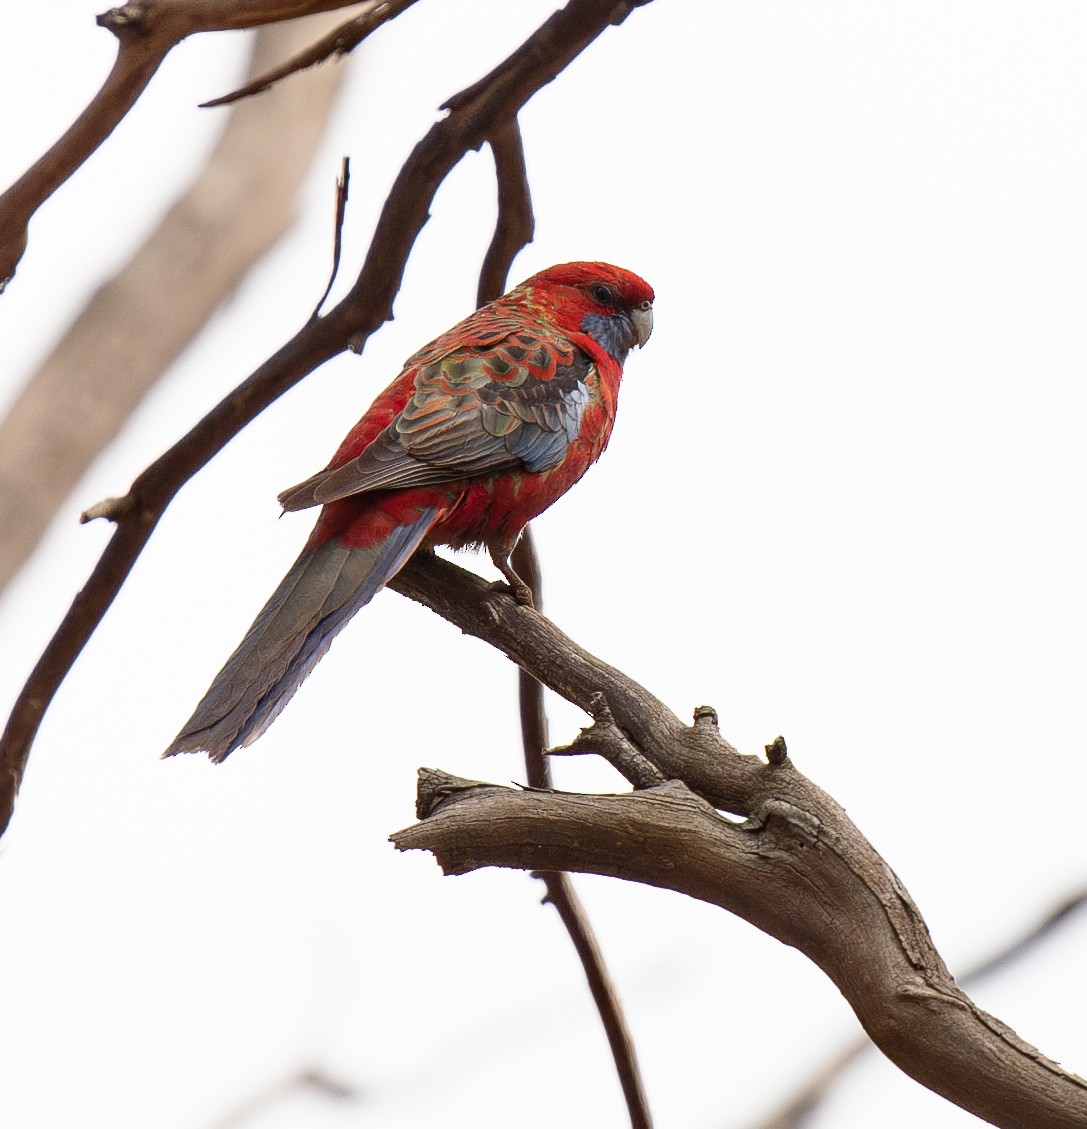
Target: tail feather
[[325, 587]]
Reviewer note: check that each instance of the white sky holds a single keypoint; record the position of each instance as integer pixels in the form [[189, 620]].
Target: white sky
[[843, 502]]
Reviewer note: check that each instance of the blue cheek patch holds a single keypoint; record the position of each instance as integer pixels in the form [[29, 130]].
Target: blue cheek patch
[[612, 332]]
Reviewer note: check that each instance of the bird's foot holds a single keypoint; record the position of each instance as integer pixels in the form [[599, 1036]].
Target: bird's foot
[[519, 591]]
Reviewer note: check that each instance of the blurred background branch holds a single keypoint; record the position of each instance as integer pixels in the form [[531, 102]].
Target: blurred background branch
[[146, 32], [139, 321]]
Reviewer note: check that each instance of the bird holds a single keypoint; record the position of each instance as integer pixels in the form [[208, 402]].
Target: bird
[[481, 431]]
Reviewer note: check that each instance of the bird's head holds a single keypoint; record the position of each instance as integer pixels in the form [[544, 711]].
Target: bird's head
[[613, 306]]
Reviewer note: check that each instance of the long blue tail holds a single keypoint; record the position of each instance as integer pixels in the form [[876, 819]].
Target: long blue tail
[[322, 591]]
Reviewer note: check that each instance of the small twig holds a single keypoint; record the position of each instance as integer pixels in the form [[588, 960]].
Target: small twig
[[707, 715], [339, 42], [513, 229], [1019, 948], [530, 698], [112, 509], [562, 895], [777, 752], [343, 182], [132, 70], [313, 1080], [605, 739]]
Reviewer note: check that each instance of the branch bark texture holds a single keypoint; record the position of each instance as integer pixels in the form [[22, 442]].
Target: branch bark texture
[[798, 1110], [797, 868]]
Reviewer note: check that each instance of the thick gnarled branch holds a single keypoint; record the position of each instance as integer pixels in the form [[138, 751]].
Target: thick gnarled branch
[[787, 875], [799, 1108]]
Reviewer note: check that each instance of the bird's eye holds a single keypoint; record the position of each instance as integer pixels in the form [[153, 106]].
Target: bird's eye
[[603, 294]]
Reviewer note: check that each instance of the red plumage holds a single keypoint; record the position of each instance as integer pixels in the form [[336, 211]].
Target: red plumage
[[483, 429]]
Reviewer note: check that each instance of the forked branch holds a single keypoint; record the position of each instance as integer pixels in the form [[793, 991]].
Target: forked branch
[[146, 32], [797, 868]]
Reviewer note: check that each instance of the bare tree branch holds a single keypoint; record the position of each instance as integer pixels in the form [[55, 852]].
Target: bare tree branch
[[798, 1110], [1015, 950], [146, 31], [605, 739], [341, 40], [139, 321], [562, 895], [516, 224], [797, 868], [478, 114], [534, 739], [313, 1080]]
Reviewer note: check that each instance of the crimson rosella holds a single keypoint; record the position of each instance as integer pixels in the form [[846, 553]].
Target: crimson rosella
[[482, 430]]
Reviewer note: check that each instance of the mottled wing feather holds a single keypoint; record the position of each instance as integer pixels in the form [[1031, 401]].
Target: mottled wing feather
[[512, 399]]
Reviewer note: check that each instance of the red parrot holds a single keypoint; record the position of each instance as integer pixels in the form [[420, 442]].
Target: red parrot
[[483, 429]]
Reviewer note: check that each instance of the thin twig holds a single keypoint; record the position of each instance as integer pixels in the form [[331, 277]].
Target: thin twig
[[516, 225], [1016, 950], [562, 895], [513, 230], [343, 182], [367, 306], [340, 41], [605, 739], [560, 887], [534, 738], [313, 1080]]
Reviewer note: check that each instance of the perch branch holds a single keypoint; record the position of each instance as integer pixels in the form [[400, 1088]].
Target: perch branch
[[789, 876], [798, 1110]]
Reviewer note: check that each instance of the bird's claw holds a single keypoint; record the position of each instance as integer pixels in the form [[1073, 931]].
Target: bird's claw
[[520, 592]]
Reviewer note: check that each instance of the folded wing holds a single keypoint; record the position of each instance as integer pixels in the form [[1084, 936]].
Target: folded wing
[[516, 403]]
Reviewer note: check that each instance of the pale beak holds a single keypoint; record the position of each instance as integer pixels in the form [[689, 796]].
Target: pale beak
[[642, 319]]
